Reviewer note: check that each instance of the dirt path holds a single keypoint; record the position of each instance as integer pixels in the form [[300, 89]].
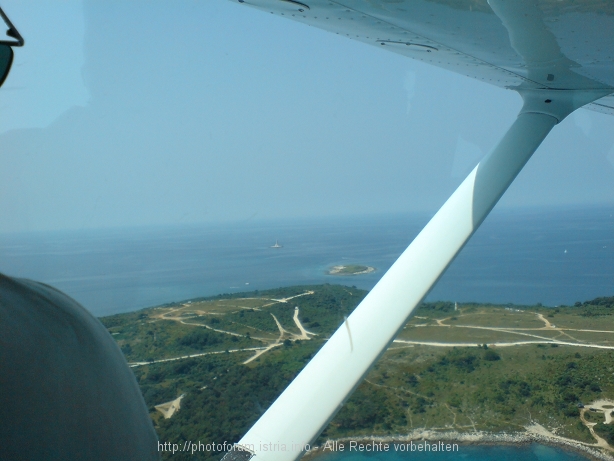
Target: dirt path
[[516, 331], [304, 333], [282, 331], [538, 429], [231, 333], [277, 343], [260, 352], [546, 321], [285, 300], [170, 315], [200, 354], [168, 409], [590, 425], [508, 344], [598, 406], [548, 326]]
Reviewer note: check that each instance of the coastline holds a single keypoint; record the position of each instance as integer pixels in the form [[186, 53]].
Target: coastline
[[591, 451]]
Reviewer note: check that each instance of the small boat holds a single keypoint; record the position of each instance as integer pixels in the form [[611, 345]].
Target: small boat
[[277, 245]]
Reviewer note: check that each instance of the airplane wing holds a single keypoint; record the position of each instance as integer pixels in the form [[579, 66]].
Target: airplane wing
[[557, 54], [555, 44]]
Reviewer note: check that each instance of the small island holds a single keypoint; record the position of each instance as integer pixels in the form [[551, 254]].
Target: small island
[[351, 269]]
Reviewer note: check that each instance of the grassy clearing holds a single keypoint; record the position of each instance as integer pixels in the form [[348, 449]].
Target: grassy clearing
[[497, 317], [459, 335]]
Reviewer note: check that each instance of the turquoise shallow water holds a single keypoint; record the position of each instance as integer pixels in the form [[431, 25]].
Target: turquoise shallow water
[[533, 452]]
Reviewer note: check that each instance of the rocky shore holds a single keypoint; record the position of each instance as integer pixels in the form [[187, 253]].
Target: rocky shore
[[531, 435]]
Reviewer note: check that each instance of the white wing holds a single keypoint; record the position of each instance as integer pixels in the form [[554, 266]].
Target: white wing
[[511, 44], [554, 54]]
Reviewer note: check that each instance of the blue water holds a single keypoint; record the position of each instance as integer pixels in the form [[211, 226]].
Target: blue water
[[553, 256], [533, 452]]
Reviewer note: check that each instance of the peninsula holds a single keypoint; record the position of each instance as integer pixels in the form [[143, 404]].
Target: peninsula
[[474, 373]]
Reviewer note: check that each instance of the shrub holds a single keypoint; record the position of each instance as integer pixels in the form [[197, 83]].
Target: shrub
[[491, 355]]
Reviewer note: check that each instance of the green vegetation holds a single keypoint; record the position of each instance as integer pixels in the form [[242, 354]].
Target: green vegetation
[[597, 307], [467, 388], [490, 384], [143, 338], [606, 431]]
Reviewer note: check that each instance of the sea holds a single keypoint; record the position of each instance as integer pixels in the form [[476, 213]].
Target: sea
[[552, 256]]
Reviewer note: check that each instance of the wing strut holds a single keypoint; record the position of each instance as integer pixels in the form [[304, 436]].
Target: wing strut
[[304, 409]]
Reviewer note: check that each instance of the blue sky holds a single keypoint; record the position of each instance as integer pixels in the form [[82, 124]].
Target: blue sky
[[136, 113]]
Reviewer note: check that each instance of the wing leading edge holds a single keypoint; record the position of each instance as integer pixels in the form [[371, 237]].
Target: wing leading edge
[[519, 44]]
